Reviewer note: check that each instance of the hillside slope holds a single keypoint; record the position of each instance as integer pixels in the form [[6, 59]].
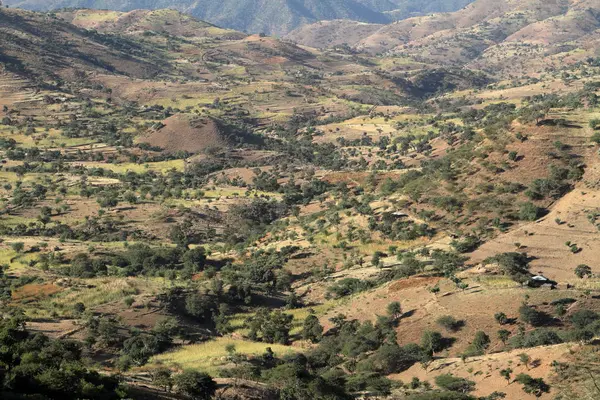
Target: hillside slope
[[325, 34], [494, 36], [36, 45], [270, 16]]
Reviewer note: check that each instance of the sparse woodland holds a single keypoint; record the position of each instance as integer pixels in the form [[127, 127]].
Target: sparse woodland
[[191, 212]]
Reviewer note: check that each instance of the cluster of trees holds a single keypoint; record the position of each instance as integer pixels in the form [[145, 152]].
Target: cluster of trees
[[557, 184], [260, 273], [513, 264], [350, 358], [395, 229], [35, 366], [139, 259]]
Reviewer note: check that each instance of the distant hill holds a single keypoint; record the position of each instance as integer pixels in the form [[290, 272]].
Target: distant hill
[[410, 8], [274, 17], [37, 46], [325, 34], [168, 21], [496, 36]]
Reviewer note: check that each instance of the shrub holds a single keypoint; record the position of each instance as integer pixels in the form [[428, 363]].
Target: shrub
[[501, 318], [371, 382], [515, 265], [481, 341], [18, 246], [348, 286], [535, 386], [432, 342], [195, 384], [449, 323], [466, 245], [582, 270], [270, 327], [583, 318], [312, 330], [532, 316], [537, 337], [503, 335], [530, 212], [454, 384]]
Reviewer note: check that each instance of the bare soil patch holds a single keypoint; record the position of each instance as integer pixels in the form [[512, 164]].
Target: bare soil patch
[[185, 133]]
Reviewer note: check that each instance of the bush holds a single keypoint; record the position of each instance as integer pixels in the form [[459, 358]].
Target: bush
[[348, 286], [140, 348], [530, 212], [197, 385], [533, 317], [583, 318], [537, 337], [535, 386], [432, 342], [515, 265], [501, 318], [466, 245], [270, 327], [391, 358], [373, 383], [454, 384], [312, 330], [449, 323], [481, 341], [18, 246], [582, 270]]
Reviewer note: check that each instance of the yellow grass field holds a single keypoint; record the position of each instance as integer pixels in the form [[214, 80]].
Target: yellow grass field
[[211, 355]]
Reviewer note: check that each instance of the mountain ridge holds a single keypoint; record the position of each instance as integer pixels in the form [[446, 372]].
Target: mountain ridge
[[274, 17]]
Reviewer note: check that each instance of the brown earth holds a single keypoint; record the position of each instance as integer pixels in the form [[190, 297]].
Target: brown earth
[[186, 133], [475, 306], [485, 370], [35, 291]]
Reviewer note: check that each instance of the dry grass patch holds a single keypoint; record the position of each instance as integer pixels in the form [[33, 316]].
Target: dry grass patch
[[212, 355]]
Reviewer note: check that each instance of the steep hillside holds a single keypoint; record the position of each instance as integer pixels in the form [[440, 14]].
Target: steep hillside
[[439, 26], [494, 36], [325, 34], [269, 16], [38, 45], [145, 22], [410, 8], [276, 17]]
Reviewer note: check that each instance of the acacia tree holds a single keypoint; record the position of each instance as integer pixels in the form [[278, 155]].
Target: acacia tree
[[503, 335], [432, 342], [506, 374], [394, 310], [525, 359], [162, 378], [481, 341]]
